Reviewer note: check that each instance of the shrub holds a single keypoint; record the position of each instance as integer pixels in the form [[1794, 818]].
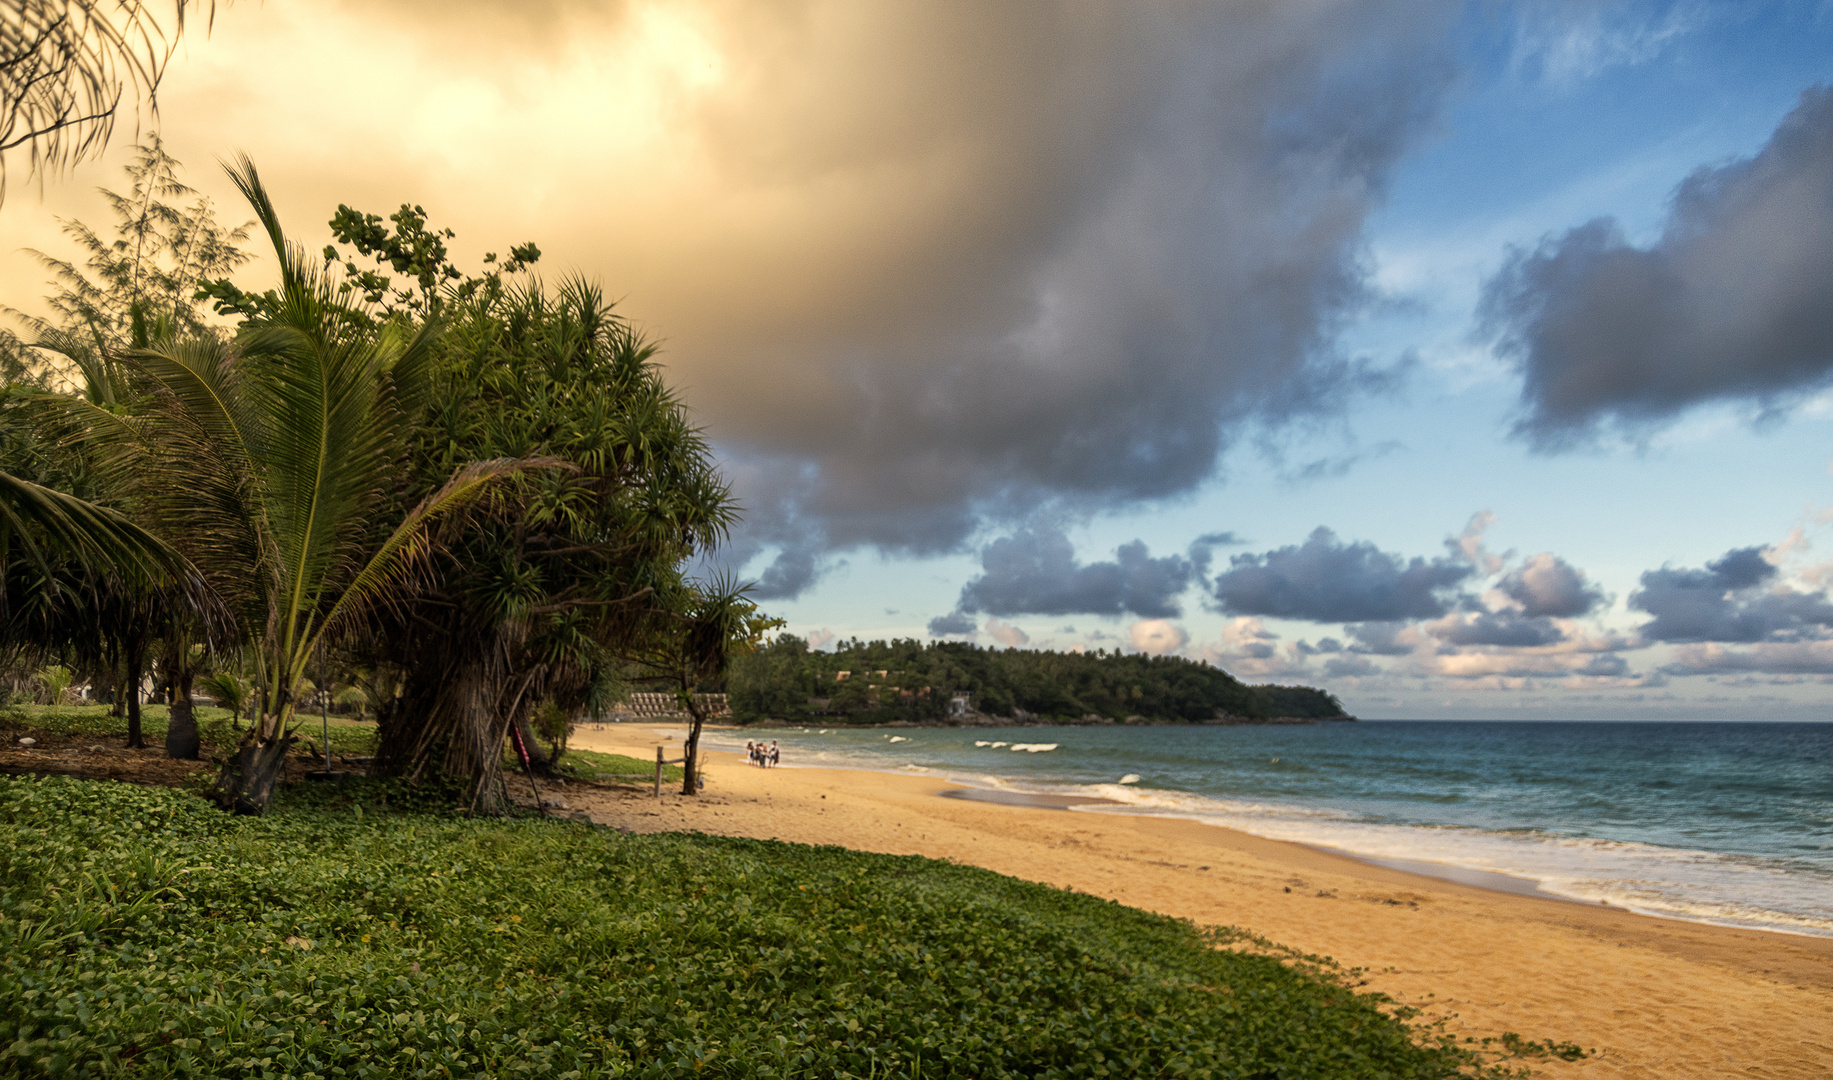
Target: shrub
[[55, 679]]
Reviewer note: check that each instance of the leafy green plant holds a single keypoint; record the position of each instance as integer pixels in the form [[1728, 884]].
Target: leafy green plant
[[54, 679], [229, 690], [351, 697]]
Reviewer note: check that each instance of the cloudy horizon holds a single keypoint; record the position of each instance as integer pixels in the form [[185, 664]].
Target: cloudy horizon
[[1463, 359]]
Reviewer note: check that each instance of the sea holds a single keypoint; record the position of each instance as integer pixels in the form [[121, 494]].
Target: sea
[[1728, 823]]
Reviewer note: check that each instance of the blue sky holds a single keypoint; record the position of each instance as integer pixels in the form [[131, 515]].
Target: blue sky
[[1550, 124], [995, 313]]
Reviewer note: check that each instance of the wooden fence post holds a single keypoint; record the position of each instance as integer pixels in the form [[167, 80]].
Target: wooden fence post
[[658, 772]]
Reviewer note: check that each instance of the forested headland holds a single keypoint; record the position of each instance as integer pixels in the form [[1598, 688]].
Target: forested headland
[[876, 682]]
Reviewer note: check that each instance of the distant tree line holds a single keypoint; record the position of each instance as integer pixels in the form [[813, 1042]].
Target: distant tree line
[[885, 681]]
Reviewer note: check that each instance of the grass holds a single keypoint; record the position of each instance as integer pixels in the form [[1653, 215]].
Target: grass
[[592, 765], [143, 932], [348, 737]]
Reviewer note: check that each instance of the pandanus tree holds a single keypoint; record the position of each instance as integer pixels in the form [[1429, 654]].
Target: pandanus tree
[[533, 601], [274, 462]]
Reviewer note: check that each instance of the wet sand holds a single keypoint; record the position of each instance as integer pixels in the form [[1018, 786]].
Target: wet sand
[[1655, 997]]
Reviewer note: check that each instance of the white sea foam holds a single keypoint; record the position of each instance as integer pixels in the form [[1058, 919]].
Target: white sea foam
[[1687, 884], [1033, 747], [897, 738], [1697, 885]]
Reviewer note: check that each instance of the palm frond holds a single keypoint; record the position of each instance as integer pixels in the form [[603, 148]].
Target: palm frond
[[389, 569], [99, 538]]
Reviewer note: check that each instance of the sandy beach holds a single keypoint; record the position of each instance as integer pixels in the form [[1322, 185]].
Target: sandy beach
[[1654, 997]]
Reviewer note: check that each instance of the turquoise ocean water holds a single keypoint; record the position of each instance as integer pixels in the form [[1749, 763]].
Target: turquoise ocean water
[[1728, 823]]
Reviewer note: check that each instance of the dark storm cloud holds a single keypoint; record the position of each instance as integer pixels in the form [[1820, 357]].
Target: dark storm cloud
[[1203, 552], [1735, 300], [787, 575], [1507, 629], [1773, 658], [1325, 647], [955, 623], [1378, 639], [1338, 667], [1731, 600], [921, 267], [1034, 255], [1325, 580], [1548, 586], [1035, 572]]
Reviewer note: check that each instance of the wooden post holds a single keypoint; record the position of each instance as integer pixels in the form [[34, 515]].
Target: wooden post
[[658, 772]]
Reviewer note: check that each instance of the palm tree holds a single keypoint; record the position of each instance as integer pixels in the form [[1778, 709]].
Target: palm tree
[[697, 629], [274, 463], [82, 581]]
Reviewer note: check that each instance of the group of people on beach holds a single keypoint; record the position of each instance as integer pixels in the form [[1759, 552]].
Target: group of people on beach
[[764, 757]]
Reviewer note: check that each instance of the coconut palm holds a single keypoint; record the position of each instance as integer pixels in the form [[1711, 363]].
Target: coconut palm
[[38, 523], [83, 582], [274, 462]]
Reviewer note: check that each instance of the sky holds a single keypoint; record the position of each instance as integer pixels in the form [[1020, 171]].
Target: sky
[[1467, 360]]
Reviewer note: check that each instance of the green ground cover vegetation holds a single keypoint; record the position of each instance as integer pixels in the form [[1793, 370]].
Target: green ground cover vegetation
[[883, 681], [597, 766], [348, 738], [149, 935], [217, 726]]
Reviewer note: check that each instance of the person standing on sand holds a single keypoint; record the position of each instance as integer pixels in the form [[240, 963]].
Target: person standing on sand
[[750, 752], [775, 755]]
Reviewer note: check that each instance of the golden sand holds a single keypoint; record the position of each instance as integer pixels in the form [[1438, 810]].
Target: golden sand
[[1655, 997]]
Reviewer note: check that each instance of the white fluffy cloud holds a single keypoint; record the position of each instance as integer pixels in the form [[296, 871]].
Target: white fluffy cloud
[[1159, 637], [1006, 634]]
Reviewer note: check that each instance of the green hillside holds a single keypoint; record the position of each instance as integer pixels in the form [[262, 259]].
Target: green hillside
[[884, 681]]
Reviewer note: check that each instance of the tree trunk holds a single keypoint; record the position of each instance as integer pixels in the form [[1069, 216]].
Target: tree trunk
[[246, 783], [181, 738], [690, 765], [448, 719], [136, 664], [538, 759]]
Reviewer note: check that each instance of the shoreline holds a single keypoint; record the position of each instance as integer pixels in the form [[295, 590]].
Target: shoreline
[[983, 720], [970, 787], [1479, 879], [1655, 996], [1626, 886]]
